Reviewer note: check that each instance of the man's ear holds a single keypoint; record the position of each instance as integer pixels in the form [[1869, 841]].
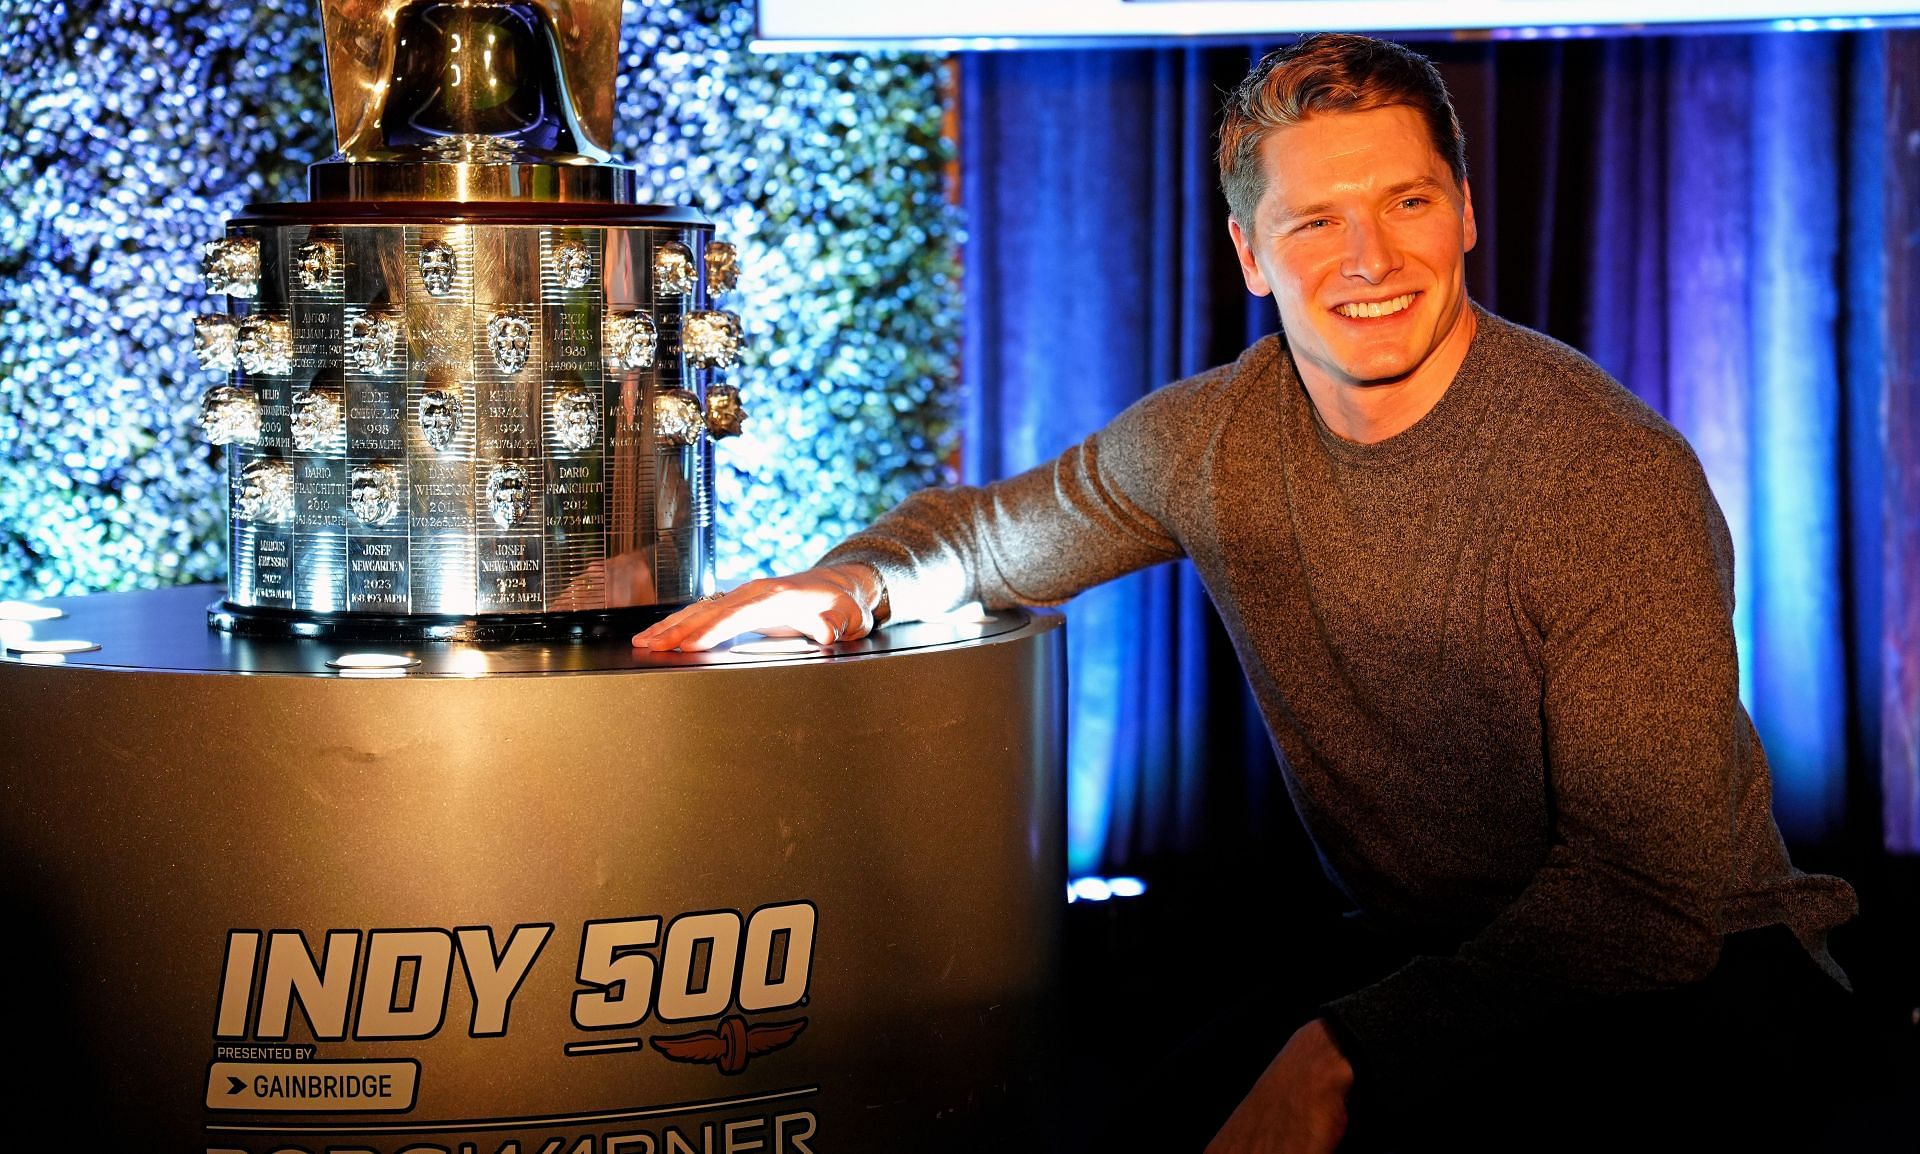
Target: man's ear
[[1472, 234], [1249, 269]]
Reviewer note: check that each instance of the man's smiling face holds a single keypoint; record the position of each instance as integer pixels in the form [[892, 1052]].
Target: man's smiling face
[[1361, 237]]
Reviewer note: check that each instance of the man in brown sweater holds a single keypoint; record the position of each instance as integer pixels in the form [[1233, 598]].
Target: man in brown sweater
[[1483, 595]]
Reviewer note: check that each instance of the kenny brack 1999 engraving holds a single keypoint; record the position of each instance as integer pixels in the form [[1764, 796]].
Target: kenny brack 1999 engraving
[[471, 386]]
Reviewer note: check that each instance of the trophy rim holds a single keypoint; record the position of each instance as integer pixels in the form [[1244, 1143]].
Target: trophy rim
[[588, 215], [545, 625], [532, 182]]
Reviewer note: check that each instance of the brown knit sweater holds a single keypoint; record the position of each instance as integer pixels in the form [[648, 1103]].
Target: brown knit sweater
[[1495, 653]]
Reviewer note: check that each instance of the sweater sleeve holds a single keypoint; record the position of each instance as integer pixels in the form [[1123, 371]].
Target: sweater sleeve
[[1626, 578], [1099, 510]]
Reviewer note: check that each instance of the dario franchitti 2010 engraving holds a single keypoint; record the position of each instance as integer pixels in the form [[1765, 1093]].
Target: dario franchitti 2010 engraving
[[470, 302]]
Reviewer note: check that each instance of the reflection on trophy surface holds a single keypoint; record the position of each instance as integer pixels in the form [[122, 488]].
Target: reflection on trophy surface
[[519, 360]]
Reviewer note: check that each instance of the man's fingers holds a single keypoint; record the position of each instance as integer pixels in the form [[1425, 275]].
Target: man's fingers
[[819, 611], [694, 619]]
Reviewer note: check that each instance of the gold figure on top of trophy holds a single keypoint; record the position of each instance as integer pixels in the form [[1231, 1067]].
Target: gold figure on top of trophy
[[469, 84]]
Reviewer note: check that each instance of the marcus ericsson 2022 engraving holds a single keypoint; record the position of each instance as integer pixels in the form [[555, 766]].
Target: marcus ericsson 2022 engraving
[[713, 989]]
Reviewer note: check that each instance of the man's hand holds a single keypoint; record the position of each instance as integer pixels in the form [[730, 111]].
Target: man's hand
[[1299, 1106], [828, 604]]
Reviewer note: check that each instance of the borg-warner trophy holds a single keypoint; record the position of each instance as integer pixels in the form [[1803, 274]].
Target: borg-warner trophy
[[473, 385]]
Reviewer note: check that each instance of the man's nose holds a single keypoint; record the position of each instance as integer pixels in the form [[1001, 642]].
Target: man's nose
[[1372, 254]]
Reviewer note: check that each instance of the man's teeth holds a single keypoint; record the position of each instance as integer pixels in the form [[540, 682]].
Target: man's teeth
[[1376, 308]]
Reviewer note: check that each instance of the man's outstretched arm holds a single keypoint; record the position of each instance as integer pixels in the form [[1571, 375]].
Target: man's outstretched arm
[[1097, 511]]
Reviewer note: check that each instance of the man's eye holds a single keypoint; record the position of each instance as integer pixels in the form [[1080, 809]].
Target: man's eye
[[1413, 201], [1311, 225]]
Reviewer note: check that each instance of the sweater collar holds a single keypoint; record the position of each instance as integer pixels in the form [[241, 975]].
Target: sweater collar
[[1453, 416]]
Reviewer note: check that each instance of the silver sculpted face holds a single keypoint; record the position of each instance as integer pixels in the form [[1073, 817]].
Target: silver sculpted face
[[576, 418], [232, 266], [725, 414], [314, 264], [711, 340], [373, 492], [672, 269], [510, 339], [631, 338], [230, 415], [438, 267], [440, 418], [266, 492], [214, 336], [372, 339], [677, 419], [265, 346], [507, 495], [315, 421], [723, 268], [572, 264]]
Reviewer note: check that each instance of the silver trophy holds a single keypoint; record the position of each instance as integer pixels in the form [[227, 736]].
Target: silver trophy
[[469, 377]]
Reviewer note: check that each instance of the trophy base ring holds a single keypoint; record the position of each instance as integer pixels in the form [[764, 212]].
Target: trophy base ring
[[574, 625]]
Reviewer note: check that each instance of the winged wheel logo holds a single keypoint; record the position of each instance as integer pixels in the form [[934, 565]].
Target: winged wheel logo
[[731, 1043]]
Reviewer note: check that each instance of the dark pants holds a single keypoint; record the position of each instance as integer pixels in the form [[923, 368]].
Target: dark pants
[[1764, 1054]]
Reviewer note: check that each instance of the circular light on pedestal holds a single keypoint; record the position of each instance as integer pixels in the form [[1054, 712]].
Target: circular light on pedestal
[[366, 661], [1089, 890], [28, 611], [51, 645]]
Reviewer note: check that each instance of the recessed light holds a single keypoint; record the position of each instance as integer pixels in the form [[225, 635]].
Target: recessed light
[[52, 645], [28, 611], [367, 661]]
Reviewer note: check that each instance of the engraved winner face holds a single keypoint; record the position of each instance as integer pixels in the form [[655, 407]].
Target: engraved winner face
[[315, 420], [576, 419], [437, 267], [507, 495], [510, 338], [374, 493], [439, 418]]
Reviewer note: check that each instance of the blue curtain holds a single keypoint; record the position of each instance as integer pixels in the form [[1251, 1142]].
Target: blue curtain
[[1097, 269], [1702, 215]]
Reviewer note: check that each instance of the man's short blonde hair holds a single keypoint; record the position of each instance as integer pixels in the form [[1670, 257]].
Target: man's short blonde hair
[[1328, 72]]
